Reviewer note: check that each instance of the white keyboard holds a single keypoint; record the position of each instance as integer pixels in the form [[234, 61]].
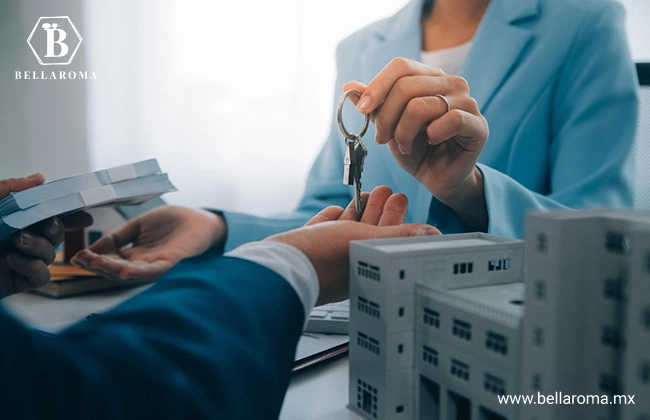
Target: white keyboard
[[330, 319]]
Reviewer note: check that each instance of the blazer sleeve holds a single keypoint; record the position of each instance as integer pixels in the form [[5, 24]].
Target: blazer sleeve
[[324, 188], [215, 338], [593, 124]]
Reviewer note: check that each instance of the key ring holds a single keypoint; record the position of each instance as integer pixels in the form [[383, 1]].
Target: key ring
[[339, 118]]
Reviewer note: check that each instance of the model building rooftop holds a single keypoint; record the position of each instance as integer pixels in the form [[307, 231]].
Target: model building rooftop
[[507, 299], [605, 214], [423, 245]]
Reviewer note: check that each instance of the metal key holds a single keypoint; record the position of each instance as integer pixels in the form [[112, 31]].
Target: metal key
[[355, 153], [360, 153], [349, 164]]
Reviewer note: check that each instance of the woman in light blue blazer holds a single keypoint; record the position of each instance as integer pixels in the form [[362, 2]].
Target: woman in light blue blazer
[[554, 80]]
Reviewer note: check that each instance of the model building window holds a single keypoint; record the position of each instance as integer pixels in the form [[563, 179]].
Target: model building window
[[463, 268], [608, 383], [429, 355], [618, 243], [368, 307], [540, 289], [459, 369], [496, 342], [498, 265], [367, 398], [431, 318], [611, 337], [538, 336], [462, 329], [644, 373], [494, 384], [371, 272], [646, 318], [614, 288], [368, 343], [542, 242]]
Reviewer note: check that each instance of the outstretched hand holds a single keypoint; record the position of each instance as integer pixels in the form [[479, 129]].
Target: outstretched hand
[[326, 238], [150, 245]]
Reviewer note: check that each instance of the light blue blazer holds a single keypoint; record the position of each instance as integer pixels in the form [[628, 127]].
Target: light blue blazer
[[556, 83]]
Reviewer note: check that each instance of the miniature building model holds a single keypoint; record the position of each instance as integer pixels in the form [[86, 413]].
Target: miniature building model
[[435, 324], [438, 327], [582, 324]]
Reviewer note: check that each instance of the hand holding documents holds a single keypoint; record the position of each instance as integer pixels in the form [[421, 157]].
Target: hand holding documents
[[129, 184]]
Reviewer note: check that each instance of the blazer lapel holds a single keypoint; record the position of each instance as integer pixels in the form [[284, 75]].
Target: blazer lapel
[[498, 46]]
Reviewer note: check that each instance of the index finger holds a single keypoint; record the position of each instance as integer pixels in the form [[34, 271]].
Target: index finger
[[379, 87], [122, 237], [10, 185]]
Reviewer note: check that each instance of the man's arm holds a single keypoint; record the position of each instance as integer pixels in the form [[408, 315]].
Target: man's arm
[[215, 338]]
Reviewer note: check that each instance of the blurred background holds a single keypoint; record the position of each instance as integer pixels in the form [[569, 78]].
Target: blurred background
[[234, 98]]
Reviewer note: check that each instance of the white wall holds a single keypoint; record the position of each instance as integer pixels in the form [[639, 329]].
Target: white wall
[[42, 123], [262, 88], [638, 26], [233, 97]]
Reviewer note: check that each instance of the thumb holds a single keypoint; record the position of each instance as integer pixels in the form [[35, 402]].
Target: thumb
[[402, 231]]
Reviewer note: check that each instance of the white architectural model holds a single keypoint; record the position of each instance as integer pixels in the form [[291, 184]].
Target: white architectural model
[[438, 327]]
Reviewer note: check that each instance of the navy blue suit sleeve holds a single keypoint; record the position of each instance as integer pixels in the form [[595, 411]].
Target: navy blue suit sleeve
[[215, 338]]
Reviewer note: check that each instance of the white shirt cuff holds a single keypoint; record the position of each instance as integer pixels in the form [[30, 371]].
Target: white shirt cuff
[[287, 261]]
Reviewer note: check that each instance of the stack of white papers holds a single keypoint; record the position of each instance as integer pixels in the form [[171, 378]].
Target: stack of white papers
[[129, 184]]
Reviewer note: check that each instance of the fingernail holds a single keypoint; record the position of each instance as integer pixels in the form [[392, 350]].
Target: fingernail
[[27, 239], [401, 150], [364, 103], [55, 228], [431, 231], [34, 176]]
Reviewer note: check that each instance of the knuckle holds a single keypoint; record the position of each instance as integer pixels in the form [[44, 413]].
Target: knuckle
[[460, 83], [401, 63], [403, 87], [455, 118], [472, 105], [418, 107]]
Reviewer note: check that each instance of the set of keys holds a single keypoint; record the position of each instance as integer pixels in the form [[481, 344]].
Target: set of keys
[[355, 152]]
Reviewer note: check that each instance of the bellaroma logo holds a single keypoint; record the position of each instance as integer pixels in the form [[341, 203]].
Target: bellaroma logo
[[54, 41]]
